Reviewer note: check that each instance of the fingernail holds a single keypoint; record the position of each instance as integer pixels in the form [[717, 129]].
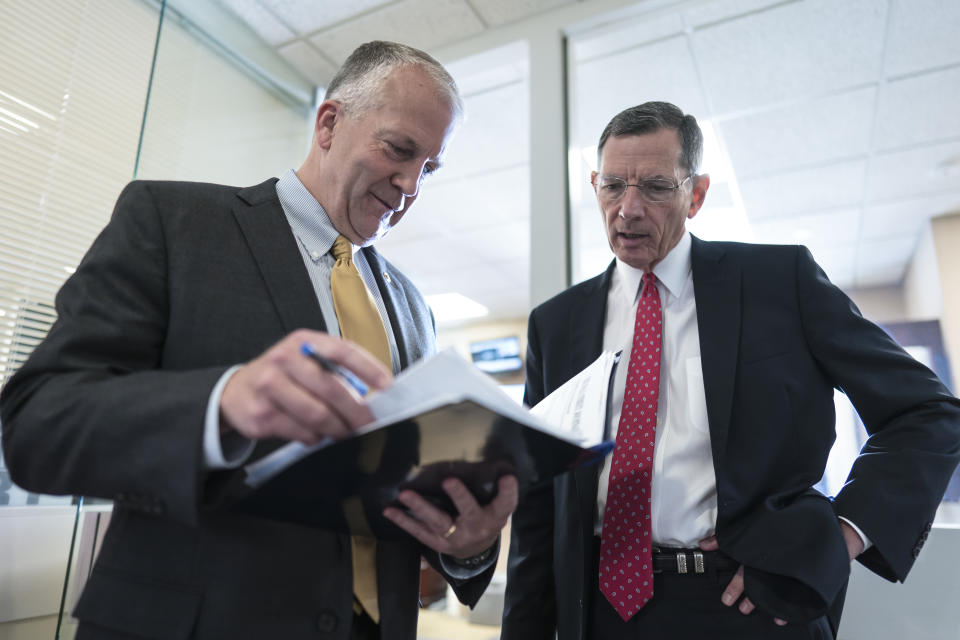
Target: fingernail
[[727, 599]]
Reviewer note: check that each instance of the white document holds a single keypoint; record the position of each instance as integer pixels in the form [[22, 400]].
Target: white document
[[443, 379], [578, 409]]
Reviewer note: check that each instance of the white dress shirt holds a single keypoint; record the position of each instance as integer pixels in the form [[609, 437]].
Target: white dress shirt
[[684, 491], [684, 487]]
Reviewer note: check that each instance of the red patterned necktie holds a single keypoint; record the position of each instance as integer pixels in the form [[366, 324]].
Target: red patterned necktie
[[626, 571]]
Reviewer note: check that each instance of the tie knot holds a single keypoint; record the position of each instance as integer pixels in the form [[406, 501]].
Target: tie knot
[[649, 280], [342, 249]]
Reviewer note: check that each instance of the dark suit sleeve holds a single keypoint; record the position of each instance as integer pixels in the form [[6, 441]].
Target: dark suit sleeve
[[89, 413], [899, 478], [529, 611]]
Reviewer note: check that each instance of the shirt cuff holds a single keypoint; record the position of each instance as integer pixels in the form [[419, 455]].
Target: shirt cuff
[[227, 451], [464, 570], [866, 541]]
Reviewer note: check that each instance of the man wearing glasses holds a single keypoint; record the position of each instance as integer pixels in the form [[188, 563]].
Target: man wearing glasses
[[703, 523]]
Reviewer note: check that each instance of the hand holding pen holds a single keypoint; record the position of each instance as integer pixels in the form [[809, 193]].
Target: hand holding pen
[[283, 393]]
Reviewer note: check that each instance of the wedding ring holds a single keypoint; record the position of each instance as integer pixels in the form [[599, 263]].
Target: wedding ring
[[453, 527]]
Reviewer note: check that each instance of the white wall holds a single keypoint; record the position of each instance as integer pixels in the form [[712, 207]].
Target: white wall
[[922, 608]]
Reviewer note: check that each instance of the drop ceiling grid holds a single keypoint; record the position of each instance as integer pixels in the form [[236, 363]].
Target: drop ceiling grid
[[425, 24], [801, 125]]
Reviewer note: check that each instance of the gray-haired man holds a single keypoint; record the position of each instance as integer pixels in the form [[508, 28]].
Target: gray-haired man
[[176, 357]]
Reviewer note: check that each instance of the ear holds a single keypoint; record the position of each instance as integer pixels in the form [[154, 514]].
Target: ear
[[328, 113], [701, 183]]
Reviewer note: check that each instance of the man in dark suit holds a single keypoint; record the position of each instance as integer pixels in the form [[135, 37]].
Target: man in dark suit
[[176, 358], [703, 523]]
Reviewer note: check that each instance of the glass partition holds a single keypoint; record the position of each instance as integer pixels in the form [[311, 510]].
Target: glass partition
[[72, 90], [76, 124]]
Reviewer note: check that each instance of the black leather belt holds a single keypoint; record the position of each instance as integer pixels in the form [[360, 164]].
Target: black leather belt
[[691, 561]]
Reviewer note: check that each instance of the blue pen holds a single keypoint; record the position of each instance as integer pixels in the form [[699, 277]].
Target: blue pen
[[332, 367]]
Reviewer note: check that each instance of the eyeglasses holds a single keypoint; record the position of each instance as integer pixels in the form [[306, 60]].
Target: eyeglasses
[[653, 190]]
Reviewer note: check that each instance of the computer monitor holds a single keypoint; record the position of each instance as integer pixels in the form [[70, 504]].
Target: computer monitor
[[500, 355]]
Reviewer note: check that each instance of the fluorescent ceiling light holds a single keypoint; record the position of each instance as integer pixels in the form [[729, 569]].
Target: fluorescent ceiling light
[[448, 307]]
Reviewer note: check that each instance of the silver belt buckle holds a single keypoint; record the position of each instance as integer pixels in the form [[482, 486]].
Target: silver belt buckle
[[698, 562], [681, 562]]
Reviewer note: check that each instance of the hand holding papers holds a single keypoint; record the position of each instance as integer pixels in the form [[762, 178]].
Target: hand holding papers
[[441, 418]]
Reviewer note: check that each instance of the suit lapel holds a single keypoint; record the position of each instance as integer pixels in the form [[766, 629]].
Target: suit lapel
[[586, 323], [586, 331], [716, 285], [278, 257], [404, 332]]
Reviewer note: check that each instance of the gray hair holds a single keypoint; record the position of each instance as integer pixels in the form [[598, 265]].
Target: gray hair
[[653, 116], [356, 84]]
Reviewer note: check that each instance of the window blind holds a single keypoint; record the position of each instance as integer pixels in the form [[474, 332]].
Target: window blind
[[72, 91]]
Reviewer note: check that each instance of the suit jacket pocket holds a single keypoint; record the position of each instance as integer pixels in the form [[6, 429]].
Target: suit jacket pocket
[[116, 602], [795, 556]]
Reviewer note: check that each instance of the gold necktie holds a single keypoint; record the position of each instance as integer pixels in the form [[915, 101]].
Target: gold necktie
[[360, 322]]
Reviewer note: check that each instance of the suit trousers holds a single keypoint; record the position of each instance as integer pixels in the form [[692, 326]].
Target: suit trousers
[[688, 607]]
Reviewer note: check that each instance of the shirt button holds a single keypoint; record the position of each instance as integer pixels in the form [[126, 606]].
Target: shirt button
[[314, 255]]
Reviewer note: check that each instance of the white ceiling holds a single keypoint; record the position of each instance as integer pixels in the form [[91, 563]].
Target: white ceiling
[[839, 121]]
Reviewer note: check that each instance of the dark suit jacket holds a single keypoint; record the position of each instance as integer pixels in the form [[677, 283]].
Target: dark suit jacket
[[776, 337], [186, 280]]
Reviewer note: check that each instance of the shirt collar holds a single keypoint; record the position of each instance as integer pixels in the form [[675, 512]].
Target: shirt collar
[[672, 271], [311, 221]]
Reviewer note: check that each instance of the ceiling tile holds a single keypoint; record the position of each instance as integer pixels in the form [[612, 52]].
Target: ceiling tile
[[427, 258], [919, 109], [883, 262], [491, 69], [789, 52], [424, 24], [800, 135], [716, 11], [836, 261], [261, 20], [502, 242], [906, 217], [622, 37], [307, 16], [481, 200], [474, 281], [605, 86], [499, 12], [830, 228], [447, 209], [308, 61], [923, 34], [495, 134], [887, 276], [923, 170], [886, 252], [791, 192]]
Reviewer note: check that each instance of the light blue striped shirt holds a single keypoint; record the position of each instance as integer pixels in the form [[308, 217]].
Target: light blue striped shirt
[[315, 236]]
